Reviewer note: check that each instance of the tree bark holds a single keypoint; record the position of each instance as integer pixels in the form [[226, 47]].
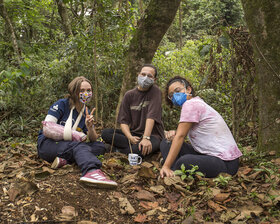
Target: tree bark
[[263, 21], [181, 27], [4, 14], [149, 32], [64, 18]]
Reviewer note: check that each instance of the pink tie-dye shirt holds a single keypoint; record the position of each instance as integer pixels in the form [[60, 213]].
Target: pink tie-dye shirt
[[209, 134]]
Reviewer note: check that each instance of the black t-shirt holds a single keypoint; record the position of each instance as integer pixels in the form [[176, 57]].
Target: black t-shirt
[[137, 106]]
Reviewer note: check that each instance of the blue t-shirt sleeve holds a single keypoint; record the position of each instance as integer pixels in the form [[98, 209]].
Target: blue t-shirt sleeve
[[57, 109]]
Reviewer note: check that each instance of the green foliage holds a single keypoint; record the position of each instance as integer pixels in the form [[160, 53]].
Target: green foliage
[[51, 61], [188, 174], [222, 180], [189, 63], [203, 17]]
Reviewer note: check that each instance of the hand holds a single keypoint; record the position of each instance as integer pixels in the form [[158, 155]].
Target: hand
[[146, 146], [89, 119], [134, 139], [166, 171], [169, 135]]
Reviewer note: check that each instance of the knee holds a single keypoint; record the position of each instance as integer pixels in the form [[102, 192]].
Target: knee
[[164, 145], [106, 134]]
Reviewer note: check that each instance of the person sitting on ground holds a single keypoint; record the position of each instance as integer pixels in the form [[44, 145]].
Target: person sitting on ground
[[213, 148], [66, 112], [139, 117]]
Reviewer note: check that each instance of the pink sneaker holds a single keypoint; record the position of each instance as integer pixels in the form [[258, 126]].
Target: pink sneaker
[[58, 163], [98, 179]]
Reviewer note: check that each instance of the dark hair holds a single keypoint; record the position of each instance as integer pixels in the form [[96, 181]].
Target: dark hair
[[151, 66], [177, 79]]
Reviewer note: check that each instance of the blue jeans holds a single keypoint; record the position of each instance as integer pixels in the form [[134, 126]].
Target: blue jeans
[[210, 166], [83, 154]]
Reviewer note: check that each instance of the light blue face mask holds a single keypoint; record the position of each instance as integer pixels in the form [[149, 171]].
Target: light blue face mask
[[179, 99]]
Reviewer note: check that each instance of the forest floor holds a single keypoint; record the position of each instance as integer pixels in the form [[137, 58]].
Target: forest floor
[[32, 192]]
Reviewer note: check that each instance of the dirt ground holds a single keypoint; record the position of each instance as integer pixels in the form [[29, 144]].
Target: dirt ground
[[32, 192]]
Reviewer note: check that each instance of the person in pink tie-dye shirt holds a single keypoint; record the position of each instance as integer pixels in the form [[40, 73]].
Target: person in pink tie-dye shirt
[[212, 147]]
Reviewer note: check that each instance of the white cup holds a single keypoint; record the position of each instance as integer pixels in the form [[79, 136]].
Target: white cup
[[134, 159]]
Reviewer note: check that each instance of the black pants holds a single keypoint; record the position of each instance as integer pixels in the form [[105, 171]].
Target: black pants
[[210, 166], [84, 154], [121, 142]]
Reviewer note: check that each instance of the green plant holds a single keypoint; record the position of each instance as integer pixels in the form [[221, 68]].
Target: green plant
[[101, 158], [222, 180], [189, 174]]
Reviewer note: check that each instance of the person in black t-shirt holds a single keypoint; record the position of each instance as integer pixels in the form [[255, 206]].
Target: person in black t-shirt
[[139, 117]]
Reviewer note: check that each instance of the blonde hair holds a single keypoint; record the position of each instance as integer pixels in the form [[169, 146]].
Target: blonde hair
[[74, 88]]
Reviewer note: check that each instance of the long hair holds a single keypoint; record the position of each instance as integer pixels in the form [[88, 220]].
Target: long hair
[[176, 79], [74, 88]]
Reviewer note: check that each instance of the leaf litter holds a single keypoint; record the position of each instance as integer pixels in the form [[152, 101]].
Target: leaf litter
[[33, 192]]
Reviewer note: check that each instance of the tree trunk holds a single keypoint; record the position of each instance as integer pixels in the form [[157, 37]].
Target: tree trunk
[[263, 21], [4, 14], [181, 27], [64, 18], [149, 32]]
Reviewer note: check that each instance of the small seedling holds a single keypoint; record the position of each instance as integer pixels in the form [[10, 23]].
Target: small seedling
[[188, 173], [222, 180]]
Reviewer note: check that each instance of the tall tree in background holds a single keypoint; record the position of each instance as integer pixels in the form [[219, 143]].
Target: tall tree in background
[[263, 21], [4, 14], [64, 17], [149, 32]]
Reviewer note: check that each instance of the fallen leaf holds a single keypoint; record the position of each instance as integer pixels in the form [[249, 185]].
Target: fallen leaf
[[47, 169], [247, 210], [129, 178], [214, 206], [145, 195], [126, 207], [14, 192], [67, 213], [117, 194], [114, 163], [141, 218], [86, 222], [146, 172], [272, 153], [42, 175], [151, 212], [244, 170], [171, 180], [188, 220], [254, 175], [148, 205], [33, 218], [28, 187], [146, 164], [156, 164], [173, 206], [228, 215], [2, 167], [172, 197], [277, 161], [159, 189], [215, 191], [275, 193]]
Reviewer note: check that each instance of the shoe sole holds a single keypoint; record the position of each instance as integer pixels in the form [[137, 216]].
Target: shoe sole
[[55, 163], [98, 184]]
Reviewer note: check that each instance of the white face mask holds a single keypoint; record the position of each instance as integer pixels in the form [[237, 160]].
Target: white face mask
[[85, 97], [145, 82]]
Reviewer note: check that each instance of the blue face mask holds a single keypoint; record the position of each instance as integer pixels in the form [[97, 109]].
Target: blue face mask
[[179, 99]]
